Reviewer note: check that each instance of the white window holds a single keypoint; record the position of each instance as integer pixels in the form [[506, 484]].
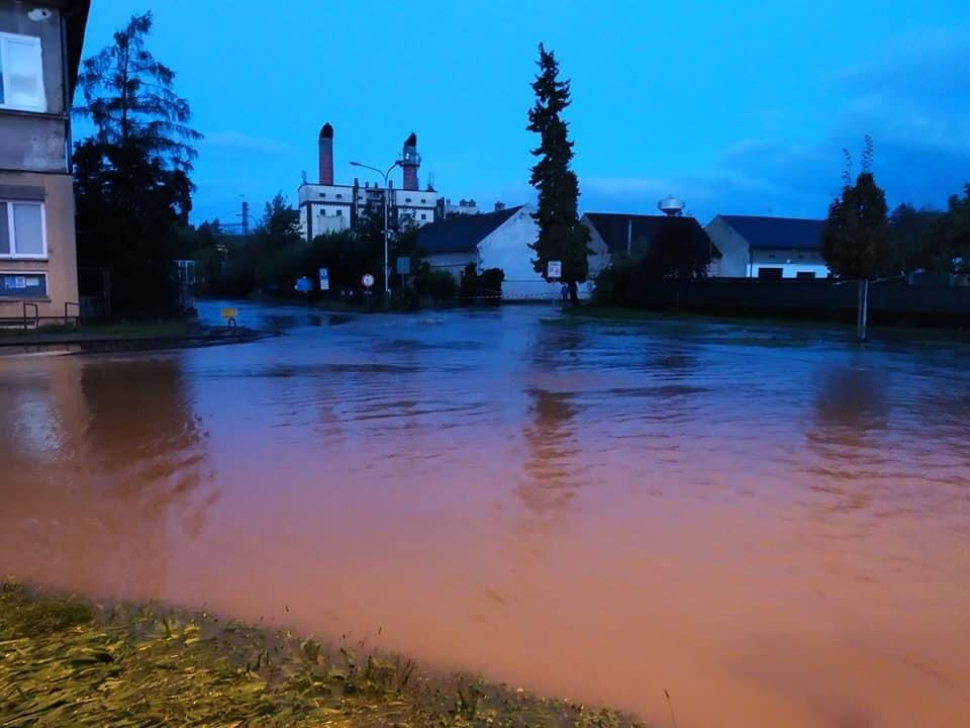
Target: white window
[[21, 73], [23, 232]]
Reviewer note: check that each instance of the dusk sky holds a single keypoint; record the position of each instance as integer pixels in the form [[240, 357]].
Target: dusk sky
[[739, 107]]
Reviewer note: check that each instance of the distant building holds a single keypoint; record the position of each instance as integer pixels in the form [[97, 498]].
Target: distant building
[[768, 247], [618, 233], [464, 207], [40, 49], [498, 239], [326, 207]]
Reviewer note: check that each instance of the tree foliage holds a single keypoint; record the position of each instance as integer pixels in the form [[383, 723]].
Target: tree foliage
[[561, 236], [678, 250], [132, 175], [856, 241]]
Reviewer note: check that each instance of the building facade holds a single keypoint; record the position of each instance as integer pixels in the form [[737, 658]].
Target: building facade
[[40, 49], [499, 239], [326, 207], [768, 247]]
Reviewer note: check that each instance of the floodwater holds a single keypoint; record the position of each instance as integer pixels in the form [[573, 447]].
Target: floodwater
[[769, 522]]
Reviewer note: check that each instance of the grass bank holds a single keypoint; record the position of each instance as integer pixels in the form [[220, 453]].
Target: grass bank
[[65, 661]]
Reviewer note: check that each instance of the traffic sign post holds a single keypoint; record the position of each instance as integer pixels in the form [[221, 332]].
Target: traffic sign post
[[367, 280]]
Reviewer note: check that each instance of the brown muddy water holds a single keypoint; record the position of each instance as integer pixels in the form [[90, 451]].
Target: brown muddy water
[[771, 523]]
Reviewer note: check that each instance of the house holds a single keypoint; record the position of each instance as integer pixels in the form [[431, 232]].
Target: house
[[40, 50], [768, 247], [498, 239], [326, 207], [619, 233]]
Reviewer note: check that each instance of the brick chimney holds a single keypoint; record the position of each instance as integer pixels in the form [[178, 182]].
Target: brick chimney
[[410, 161], [326, 155]]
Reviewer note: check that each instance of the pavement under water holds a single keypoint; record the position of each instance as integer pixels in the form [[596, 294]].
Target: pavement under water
[[769, 522]]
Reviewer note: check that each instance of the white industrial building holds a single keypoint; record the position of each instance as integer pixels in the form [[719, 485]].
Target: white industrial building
[[326, 207]]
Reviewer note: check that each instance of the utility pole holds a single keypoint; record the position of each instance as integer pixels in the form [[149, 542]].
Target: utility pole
[[387, 195]]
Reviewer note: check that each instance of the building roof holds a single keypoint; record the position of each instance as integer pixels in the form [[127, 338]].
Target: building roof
[[615, 228], [462, 234], [777, 232]]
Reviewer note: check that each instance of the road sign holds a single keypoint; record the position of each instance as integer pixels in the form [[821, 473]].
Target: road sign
[[554, 269], [303, 285], [324, 279], [404, 266], [368, 280]]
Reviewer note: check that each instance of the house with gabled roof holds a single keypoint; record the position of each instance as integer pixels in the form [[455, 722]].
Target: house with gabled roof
[[768, 247], [498, 239], [614, 234]]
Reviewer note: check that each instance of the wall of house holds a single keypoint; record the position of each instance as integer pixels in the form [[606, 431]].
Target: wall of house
[[507, 247], [60, 264], [454, 263], [733, 247], [600, 258], [14, 19], [791, 262]]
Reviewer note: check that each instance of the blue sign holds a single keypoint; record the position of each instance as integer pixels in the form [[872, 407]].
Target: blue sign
[[303, 285], [324, 279]]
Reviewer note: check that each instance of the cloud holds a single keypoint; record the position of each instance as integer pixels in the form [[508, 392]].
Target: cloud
[[242, 142]]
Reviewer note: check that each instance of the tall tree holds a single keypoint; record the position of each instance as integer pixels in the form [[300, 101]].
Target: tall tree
[[132, 175], [561, 236], [856, 241]]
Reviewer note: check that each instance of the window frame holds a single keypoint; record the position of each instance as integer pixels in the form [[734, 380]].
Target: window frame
[[9, 222], [4, 72], [26, 274]]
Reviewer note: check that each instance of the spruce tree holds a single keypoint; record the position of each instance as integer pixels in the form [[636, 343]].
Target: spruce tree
[[561, 236]]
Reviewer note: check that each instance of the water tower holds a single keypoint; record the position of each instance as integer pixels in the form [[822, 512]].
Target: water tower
[[671, 206]]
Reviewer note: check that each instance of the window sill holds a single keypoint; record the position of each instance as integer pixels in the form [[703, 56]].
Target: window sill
[[31, 113], [25, 258]]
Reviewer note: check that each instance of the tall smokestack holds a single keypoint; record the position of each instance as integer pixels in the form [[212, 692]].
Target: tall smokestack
[[326, 155], [410, 161]]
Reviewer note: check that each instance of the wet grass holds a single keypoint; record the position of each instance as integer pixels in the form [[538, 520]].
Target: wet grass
[[64, 661]]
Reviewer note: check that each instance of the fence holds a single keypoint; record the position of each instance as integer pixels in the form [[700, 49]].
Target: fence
[[890, 301]]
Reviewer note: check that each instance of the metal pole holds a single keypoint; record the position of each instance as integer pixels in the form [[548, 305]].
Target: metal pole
[[387, 285]]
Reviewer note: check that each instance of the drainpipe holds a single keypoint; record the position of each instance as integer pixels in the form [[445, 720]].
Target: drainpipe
[[66, 94], [629, 235]]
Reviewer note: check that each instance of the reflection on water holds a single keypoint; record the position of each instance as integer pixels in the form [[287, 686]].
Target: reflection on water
[[766, 521], [95, 464]]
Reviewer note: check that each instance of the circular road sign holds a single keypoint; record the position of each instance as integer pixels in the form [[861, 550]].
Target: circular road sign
[[368, 280]]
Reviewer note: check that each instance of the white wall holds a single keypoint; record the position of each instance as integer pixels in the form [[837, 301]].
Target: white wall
[[508, 248], [791, 262], [454, 263], [734, 249]]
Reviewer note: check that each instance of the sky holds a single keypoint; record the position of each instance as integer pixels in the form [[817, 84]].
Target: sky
[[736, 108]]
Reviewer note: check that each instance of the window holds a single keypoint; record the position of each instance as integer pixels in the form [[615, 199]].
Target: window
[[805, 274], [323, 194], [339, 213], [22, 230], [23, 285], [339, 196], [423, 201], [21, 73], [423, 216], [407, 199], [770, 273], [323, 213]]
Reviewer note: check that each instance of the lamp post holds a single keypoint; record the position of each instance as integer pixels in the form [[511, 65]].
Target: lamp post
[[387, 194]]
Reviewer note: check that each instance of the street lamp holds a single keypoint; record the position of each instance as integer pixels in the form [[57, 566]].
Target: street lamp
[[387, 194]]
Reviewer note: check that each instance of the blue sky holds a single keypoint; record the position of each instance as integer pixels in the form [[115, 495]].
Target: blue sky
[[739, 107]]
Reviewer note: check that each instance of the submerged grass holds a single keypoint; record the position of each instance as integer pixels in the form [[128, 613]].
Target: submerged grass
[[64, 661]]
